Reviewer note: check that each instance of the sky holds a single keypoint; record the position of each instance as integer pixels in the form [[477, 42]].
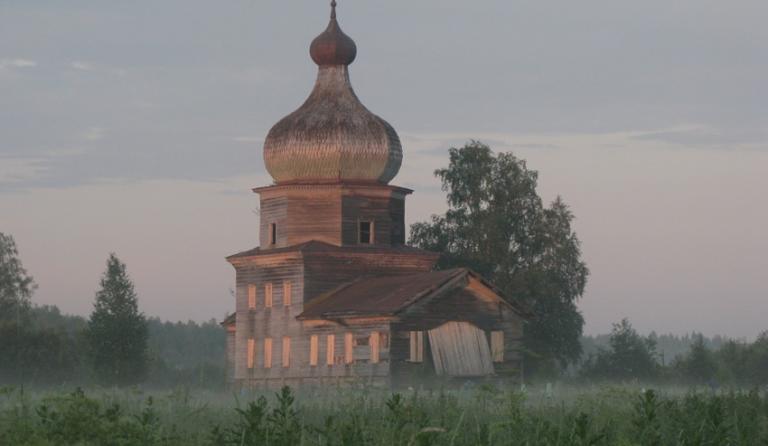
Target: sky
[[137, 128]]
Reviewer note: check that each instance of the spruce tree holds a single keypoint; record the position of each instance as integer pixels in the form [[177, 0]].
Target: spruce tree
[[117, 331], [16, 286]]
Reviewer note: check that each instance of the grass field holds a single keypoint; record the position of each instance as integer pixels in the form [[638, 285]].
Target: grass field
[[605, 415]]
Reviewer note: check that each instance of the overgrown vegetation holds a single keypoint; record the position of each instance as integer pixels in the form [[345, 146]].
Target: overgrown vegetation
[[484, 416]]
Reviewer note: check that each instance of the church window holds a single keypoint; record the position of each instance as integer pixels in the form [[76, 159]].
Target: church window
[[330, 349], [313, 353], [349, 346], [286, 351], [268, 353], [417, 346], [251, 296], [365, 232], [497, 346], [268, 295], [273, 233], [250, 352], [375, 343], [287, 293]]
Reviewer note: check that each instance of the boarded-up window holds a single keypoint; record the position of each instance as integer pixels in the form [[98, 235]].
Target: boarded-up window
[[349, 356], [313, 350], [268, 353], [417, 346], [460, 349], [375, 343], [268, 295], [330, 349], [497, 346], [251, 296], [286, 351], [287, 293], [250, 352]]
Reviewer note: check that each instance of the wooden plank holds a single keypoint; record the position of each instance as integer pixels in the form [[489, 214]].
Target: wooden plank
[[497, 346], [460, 349], [375, 344]]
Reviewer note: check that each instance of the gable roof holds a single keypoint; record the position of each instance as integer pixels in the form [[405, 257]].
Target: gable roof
[[387, 295]]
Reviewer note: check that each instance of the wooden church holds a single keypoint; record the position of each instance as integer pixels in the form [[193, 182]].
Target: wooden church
[[332, 295]]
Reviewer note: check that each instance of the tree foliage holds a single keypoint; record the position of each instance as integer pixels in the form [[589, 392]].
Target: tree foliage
[[117, 331], [497, 225], [16, 286], [629, 356]]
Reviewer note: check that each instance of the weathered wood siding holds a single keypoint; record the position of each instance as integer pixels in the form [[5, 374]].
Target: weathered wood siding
[[386, 213], [330, 213], [262, 322], [468, 301]]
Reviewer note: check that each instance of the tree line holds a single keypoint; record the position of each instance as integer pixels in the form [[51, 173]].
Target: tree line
[[116, 345], [629, 356]]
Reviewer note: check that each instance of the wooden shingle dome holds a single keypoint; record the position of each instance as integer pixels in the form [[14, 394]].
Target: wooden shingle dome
[[332, 137]]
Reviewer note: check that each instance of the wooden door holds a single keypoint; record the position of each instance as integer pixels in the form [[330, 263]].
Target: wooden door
[[460, 349]]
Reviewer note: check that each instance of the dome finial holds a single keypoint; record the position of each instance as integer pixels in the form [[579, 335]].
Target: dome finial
[[333, 47]]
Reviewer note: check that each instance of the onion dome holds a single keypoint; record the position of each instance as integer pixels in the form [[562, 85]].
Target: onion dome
[[332, 137]]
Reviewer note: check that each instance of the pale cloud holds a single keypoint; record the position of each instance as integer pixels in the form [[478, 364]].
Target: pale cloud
[[19, 170], [17, 63], [82, 66], [94, 134]]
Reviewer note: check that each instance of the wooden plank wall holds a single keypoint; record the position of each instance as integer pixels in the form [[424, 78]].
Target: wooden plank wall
[[331, 214], [462, 304], [387, 213]]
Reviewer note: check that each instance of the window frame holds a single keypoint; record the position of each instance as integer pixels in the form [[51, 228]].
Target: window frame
[[273, 234], [371, 231], [285, 358], [287, 293], [268, 295], [267, 353], [252, 296]]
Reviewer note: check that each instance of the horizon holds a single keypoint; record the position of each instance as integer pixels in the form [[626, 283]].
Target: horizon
[[147, 144]]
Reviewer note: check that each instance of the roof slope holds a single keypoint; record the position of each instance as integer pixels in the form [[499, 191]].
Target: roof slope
[[377, 295], [385, 295]]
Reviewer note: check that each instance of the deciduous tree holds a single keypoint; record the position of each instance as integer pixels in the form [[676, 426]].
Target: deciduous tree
[[497, 224]]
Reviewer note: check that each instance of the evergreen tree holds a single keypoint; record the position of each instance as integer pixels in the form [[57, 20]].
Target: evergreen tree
[[629, 356], [497, 225], [117, 331], [699, 366], [16, 287]]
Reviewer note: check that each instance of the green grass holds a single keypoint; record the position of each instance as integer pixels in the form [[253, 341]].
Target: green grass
[[617, 415]]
